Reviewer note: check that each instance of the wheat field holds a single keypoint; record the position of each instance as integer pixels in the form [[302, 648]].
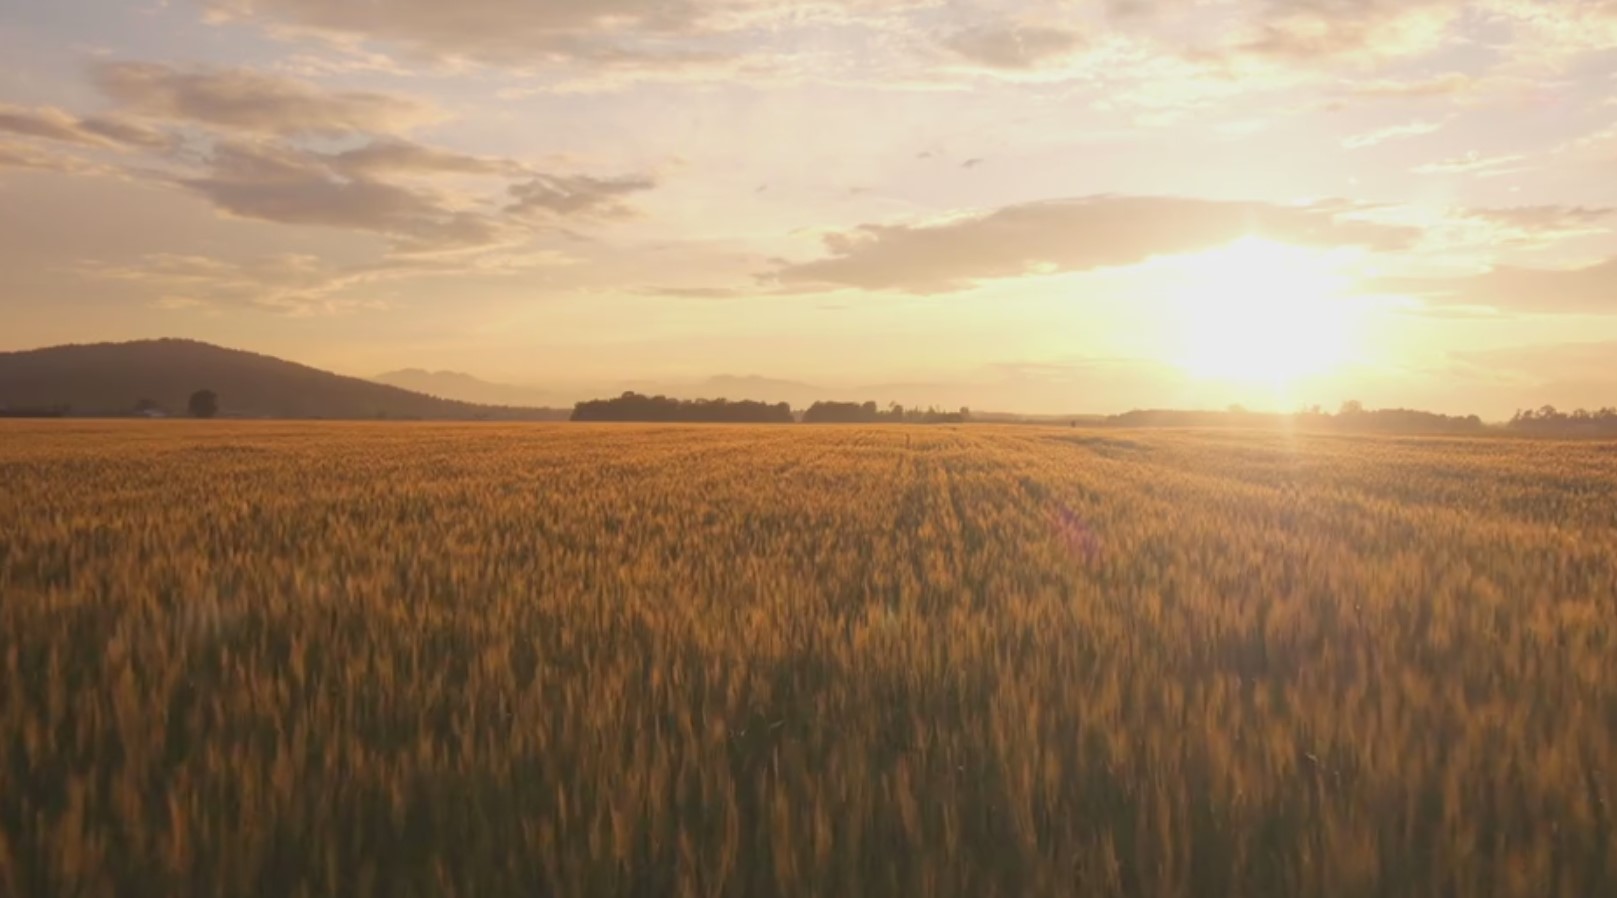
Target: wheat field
[[481, 660]]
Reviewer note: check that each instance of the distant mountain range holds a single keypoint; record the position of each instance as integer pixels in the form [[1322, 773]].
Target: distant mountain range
[[118, 378], [464, 387], [764, 389]]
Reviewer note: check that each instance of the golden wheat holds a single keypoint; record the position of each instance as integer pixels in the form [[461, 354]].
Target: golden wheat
[[321, 659]]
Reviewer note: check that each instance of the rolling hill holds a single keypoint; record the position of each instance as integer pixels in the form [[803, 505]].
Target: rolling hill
[[112, 378]]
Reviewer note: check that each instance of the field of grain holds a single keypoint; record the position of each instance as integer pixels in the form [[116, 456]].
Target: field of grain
[[486, 660]]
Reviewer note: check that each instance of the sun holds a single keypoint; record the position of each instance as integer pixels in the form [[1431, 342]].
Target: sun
[[1260, 312]]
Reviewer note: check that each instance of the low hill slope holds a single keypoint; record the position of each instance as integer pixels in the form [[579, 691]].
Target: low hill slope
[[114, 379]]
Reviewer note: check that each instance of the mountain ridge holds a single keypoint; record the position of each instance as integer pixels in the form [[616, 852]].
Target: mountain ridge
[[115, 378], [463, 387]]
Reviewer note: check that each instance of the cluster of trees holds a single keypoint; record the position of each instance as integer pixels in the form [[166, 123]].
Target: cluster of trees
[[203, 404], [1354, 416], [868, 413], [1550, 420], [632, 406]]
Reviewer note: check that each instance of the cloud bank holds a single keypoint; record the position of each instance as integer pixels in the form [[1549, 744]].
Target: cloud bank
[[1589, 290], [1068, 235], [245, 100]]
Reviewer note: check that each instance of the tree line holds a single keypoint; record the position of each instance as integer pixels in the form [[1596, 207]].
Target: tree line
[[1549, 420], [632, 406], [1351, 416], [868, 413]]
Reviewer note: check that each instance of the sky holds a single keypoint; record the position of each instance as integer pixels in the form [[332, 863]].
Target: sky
[[1039, 206]]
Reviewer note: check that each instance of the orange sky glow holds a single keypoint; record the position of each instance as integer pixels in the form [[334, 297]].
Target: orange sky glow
[[1029, 206]]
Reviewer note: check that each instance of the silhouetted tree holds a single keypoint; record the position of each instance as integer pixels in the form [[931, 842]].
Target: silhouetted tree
[[203, 404], [841, 413]]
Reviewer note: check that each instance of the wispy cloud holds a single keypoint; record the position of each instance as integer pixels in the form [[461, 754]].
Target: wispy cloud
[[1012, 47], [1393, 132], [50, 123], [282, 184], [1312, 31], [1447, 84], [1543, 218], [398, 156], [515, 33], [21, 156], [1474, 163], [576, 195], [296, 284]]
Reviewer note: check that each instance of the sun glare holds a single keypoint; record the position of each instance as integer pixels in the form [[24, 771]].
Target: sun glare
[[1259, 312]]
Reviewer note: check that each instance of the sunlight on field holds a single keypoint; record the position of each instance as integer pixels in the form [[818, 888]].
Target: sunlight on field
[[576, 660]]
